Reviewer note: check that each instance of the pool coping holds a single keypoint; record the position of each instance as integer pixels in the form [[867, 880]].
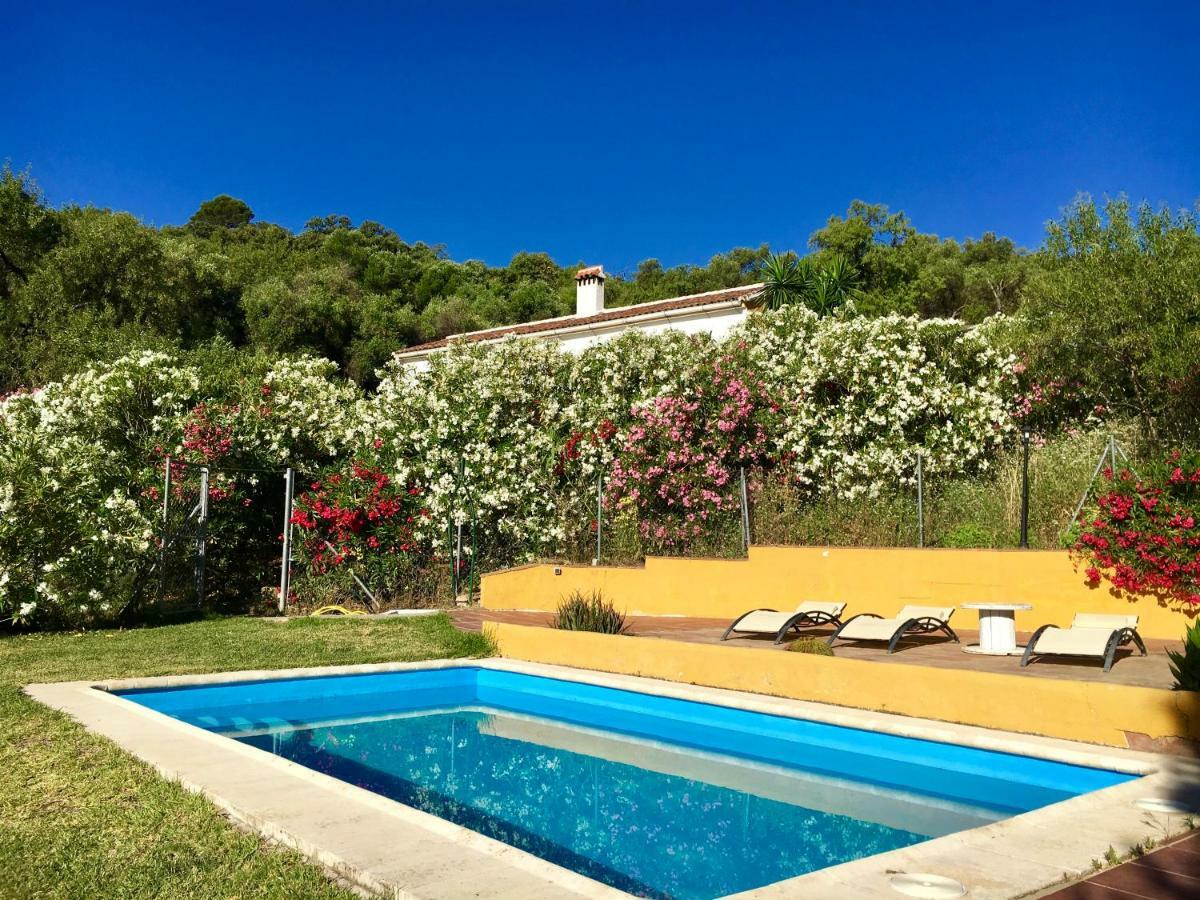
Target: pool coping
[[391, 849]]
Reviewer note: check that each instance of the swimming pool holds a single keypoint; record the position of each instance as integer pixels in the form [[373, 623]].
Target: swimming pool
[[654, 795]]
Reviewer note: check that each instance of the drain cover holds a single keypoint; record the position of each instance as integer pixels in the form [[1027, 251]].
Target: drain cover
[[1161, 805], [930, 887]]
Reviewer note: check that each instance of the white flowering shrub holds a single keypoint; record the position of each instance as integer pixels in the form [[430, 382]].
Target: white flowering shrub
[[511, 437], [477, 433], [82, 460], [862, 396], [72, 530], [307, 411]]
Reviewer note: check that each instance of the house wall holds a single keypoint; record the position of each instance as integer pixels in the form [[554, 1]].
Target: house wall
[[867, 579], [718, 323]]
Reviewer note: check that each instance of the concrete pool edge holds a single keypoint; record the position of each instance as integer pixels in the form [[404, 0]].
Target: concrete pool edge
[[392, 849]]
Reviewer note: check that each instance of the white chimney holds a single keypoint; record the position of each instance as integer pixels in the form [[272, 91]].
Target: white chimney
[[589, 291]]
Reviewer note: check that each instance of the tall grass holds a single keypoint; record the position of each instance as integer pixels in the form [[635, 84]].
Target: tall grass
[[978, 511], [982, 510]]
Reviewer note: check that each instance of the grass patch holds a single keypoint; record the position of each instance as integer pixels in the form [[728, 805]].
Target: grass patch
[[81, 818]]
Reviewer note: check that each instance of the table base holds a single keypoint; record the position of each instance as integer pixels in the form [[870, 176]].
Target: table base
[[975, 648]]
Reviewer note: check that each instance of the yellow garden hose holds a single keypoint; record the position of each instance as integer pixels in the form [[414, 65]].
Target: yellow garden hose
[[334, 610]]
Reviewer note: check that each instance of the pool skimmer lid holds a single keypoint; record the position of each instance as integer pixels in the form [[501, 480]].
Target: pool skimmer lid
[[930, 887]]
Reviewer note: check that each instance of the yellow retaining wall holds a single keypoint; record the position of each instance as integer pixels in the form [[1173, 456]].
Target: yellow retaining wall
[[872, 579], [1076, 710]]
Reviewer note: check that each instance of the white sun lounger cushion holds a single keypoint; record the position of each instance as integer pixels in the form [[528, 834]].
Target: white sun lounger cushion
[[1088, 635], [866, 628], [763, 622], [1103, 620]]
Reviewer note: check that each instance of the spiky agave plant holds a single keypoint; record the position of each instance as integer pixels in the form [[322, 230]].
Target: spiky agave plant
[[1185, 666], [589, 612]]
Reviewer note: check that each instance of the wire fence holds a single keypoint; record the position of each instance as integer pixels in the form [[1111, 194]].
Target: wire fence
[[1031, 498], [212, 555]]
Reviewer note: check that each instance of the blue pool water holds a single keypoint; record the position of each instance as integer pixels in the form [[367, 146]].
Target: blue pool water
[[656, 796]]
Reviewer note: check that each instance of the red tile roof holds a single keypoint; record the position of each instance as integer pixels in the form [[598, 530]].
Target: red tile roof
[[597, 271], [565, 323]]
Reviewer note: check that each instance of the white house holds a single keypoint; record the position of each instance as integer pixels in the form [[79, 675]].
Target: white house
[[715, 312]]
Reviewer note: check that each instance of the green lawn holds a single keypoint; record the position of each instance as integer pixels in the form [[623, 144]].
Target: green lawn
[[81, 818]]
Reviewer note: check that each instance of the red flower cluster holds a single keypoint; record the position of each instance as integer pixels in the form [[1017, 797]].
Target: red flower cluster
[[347, 516], [570, 452], [207, 439], [1144, 538]]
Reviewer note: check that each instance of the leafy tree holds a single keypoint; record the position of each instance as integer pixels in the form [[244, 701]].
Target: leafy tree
[[109, 283], [221, 212], [381, 328], [447, 316], [328, 224], [315, 312], [534, 267], [1114, 310], [28, 229], [903, 270]]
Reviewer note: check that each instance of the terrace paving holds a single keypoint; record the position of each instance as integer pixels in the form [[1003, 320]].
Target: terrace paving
[[1171, 871], [1151, 671]]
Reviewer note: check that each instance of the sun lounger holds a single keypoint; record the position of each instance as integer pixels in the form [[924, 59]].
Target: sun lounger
[[809, 614], [910, 620], [1090, 634]]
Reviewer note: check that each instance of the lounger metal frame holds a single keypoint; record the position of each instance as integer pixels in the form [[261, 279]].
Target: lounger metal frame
[[809, 619], [922, 625], [1119, 638]]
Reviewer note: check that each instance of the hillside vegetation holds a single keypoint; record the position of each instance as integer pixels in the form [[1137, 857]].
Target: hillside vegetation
[[243, 349]]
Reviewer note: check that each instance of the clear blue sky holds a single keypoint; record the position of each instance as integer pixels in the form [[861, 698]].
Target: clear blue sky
[[605, 133]]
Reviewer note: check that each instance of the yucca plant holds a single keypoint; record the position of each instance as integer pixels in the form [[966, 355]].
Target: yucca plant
[[833, 286], [786, 279], [589, 612], [1185, 666]]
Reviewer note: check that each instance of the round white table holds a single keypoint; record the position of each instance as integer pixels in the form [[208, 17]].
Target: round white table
[[997, 628]]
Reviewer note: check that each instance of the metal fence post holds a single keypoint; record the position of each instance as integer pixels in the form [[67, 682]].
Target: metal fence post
[[473, 572], [162, 547], [450, 553], [285, 566], [1109, 453], [920, 499], [1025, 490], [599, 515], [201, 536], [458, 549], [166, 506], [745, 513]]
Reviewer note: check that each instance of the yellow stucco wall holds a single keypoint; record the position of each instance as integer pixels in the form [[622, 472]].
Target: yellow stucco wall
[[1076, 710], [867, 579]]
